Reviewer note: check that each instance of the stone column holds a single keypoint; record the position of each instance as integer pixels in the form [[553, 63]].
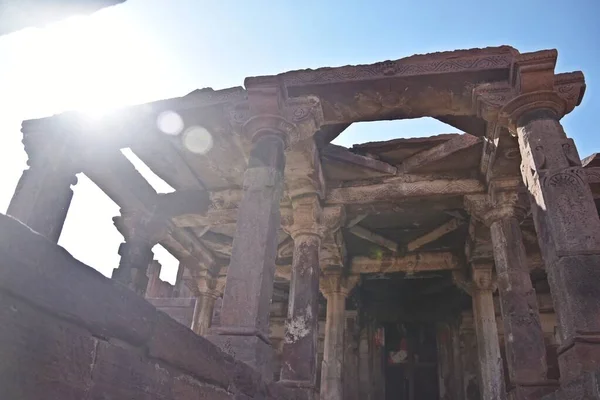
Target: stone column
[[153, 279], [350, 381], [209, 289], [140, 232], [244, 320], [136, 254], [43, 194], [490, 360], [335, 287], [299, 364], [567, 224], [523, 335]]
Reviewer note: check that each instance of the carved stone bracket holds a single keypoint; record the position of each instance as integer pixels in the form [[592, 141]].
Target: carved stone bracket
[[482, 275], [506, 198], [333, 281]]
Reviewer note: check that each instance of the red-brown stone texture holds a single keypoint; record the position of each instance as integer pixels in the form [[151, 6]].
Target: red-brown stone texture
[[66, 332]]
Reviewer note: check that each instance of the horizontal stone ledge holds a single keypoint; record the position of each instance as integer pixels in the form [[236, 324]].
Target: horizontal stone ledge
[[412, 263], [390, 190]]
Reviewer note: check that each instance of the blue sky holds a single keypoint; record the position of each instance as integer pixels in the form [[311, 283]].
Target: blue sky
[[145, 50]]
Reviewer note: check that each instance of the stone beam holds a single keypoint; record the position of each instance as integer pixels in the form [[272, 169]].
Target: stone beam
[[342, 154], [119, 180], [412, 263], [439, 152], [372, 237], [435, 234], [396, 189], [182, 202]]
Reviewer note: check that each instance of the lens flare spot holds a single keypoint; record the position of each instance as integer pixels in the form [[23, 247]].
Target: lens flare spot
[[169, 122], [197, 139]]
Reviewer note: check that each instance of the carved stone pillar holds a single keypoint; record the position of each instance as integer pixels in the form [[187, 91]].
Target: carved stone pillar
[[244, 320], [141, 232], [490, 360], [43, 194], [299, 365], [335, 287], [208, 290], [523, 335], [567, 224]]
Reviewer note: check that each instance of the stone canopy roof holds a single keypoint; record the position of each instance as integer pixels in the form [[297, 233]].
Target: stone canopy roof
[[400, 198]]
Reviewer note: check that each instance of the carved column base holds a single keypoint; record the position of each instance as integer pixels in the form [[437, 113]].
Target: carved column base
[[252, 350], [532, 391]]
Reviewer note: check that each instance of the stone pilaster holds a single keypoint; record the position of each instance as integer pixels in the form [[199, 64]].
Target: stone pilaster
[[208, 289], [523, 335], [299, 365], [567, 224], [335, 287], [43, 194], [490, 360], [244, 319]]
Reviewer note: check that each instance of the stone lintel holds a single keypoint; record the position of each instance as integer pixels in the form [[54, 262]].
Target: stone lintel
[[411, 263]]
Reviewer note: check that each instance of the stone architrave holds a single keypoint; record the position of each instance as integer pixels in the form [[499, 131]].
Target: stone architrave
[[335, 287], [524, 337], [244, 319], [567, 224], [299, 365], [43, 194], [490, 360]]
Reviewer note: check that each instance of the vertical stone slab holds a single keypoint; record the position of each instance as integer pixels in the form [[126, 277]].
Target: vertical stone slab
[[458, 370], [445, 361], [364, 364], [469, 358], [350, 376], [244, 318], [490, 361], [153, 287], [567, 224], [335, 288], [301, 327]]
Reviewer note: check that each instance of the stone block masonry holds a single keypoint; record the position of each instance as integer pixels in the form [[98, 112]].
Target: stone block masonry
[[67, 332]]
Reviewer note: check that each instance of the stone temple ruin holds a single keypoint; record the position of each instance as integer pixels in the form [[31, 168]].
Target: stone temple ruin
[[458, 266]]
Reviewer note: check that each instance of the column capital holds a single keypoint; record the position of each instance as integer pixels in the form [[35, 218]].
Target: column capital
[[306, 216], [521, 105], [333, 281], [506, 198], [482, 274], [269, 111], [206, 283]]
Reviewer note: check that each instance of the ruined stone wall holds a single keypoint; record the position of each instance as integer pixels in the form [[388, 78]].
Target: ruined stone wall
[[67, 332], [180, 309]]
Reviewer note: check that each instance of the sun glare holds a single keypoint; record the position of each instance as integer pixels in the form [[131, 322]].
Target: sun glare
[[90, 63]]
